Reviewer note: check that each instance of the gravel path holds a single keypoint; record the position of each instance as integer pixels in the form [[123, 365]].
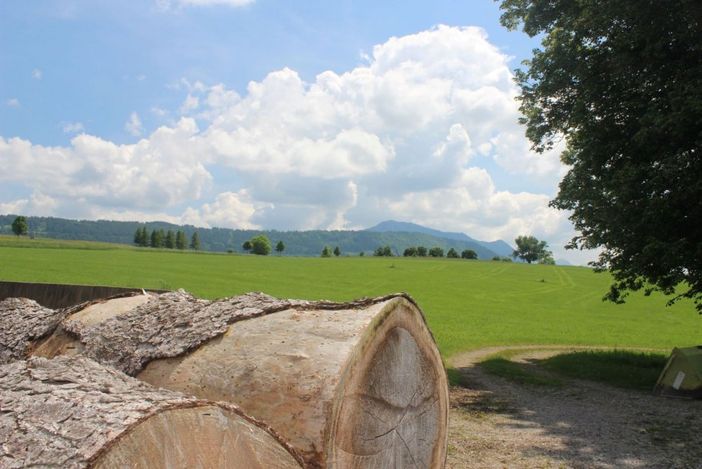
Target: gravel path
[[498, 423]]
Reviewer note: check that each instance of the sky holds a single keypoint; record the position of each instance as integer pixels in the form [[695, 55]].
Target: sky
[[272, 114]]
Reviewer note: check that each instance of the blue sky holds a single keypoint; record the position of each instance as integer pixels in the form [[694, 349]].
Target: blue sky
[[271, 114]]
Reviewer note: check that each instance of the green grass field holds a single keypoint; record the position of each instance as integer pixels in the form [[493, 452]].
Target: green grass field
[[469, 304]]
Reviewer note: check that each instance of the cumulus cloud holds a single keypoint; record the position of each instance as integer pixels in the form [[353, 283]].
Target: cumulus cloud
[[133, 125], [13, 102], [37, 74], [420, 132]]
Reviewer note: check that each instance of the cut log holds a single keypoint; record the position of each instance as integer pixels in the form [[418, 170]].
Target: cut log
[[22, 323], [71, 412], [352, 385]]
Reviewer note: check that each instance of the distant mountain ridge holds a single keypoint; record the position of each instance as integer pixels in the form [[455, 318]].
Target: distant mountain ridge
[[499, 247], [297, 243]]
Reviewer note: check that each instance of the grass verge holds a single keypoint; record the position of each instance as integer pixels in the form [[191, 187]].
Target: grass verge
[[623, 369], [503, 367]]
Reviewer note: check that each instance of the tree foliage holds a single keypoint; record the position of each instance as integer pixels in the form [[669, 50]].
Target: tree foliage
[[383, 251], [20, 226], [280, 247], [247, 245], [452, 254], [422, 251], [531, 249], [337, 251], [469, 254], [261, 245], [181, 240], [195, 241], [170, 240], [622, 81], [326, 251], [436, 252], [410, 252], [157, 239]]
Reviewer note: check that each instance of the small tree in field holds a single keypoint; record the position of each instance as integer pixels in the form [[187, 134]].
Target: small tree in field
[[247, 245], [156, 239], [410, 252], [530, 249], [170, 240], [452, 254], [337, 251], [326, 252], [421, 251], [181, 240], [261, 245], [195, 241], [280, 247], [436, 252], [469, 254], [20, 226]]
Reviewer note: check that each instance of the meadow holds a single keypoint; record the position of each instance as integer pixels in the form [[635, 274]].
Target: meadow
[[468, 304]]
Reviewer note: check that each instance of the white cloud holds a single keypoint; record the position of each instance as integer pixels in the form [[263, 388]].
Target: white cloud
[[13, 102], [426, 130], [190, 104], [133, 125], [168, 4], [72, 127], [37, 74]]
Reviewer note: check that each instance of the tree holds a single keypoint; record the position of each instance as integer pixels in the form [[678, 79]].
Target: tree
[[337, 251], [452, 254], [421, 251], [170, 240], [622, 82], [145, 237], [261, 245], [326, 252], [436, 252], [280, 247], [383, 251], [469, 254], [20, 226], [157, 239], [410, 252], [137, 237], [530, 249], [247, 245], [195, 241], [181, 240]]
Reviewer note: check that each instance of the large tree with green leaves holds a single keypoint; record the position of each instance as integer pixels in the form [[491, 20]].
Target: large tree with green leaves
[[621, 82], [20, 226], [530, 249]]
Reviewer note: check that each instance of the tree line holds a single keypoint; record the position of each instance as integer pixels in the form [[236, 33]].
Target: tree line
[[165, 239]]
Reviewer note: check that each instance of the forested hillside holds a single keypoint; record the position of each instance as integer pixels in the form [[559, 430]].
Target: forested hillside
[[297, 243]]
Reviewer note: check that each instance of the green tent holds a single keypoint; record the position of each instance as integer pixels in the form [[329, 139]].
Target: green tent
[[682, 375]]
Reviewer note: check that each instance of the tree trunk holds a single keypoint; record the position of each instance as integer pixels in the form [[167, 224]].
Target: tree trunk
[[353, 385], [71, 412]]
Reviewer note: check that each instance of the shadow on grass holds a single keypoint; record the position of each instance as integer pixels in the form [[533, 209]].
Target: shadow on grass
[[620, 368], [595, 426]]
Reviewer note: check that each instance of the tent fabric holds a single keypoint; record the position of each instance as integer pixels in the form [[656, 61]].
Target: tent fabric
[[682, 375]]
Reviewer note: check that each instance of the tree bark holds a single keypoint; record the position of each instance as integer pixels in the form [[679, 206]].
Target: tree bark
[[22, 323], [357, 384], [71, 412]]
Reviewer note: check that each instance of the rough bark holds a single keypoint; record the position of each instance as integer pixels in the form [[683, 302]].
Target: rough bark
[[23, 322], [356, 384], [71, 412]]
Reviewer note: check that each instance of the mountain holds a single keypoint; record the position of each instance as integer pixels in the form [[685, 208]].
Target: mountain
[[297, 243], [498, 247]]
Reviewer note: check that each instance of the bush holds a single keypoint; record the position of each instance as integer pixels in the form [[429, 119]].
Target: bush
[[261, 245]]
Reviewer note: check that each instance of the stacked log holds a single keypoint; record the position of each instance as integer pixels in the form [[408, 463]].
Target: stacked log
[[71, 412], [357, 384]]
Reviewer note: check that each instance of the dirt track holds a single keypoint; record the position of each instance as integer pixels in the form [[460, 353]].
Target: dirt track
[[497, 423]]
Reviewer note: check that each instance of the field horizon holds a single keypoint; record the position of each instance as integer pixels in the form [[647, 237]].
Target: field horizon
[[468, 304]]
